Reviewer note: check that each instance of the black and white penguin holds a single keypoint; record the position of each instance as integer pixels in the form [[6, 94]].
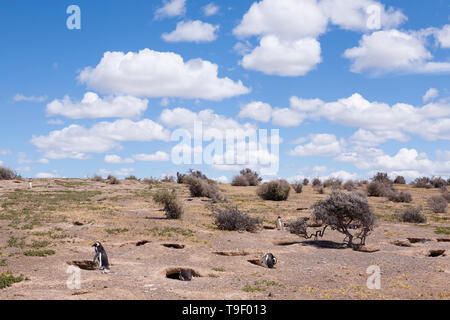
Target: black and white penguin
[[100, 256], [269, 260], [279, 224], [185, 275]]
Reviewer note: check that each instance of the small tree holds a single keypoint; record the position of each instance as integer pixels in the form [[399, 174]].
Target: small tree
[[7, 174], [316, 182], [305, 181], [342, 212], [298, 187]]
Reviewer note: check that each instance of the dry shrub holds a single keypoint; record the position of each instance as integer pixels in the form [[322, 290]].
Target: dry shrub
[[379, 189], [247, 177], [383, 178], [305, 182], [7, 174], [446, 195], [403, 196], [400, 180], [152, 180], [277, 190], [423, 182], [340, 211], [438, 182], [316, 182], [231, 219], [112, 180], [349, 185], [183, 178], [172, 206], [319, 190], [298, 187], [132, 178], [203, 188], [438, 204], [412, 215], [333, 183], [168, 179], [97, 178]]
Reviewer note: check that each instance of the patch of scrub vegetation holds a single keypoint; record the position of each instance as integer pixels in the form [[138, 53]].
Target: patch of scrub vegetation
[[3, 263], [7, 279], [51, 234], [69, 184], [39, 253], [219, 269], [39, 244], [442, 230], [116, 230], [169, 232], [16, 242], [261, 286]]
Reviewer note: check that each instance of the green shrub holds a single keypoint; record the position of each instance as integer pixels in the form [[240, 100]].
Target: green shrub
[[172, 206], [38, 253], [7, 279], [277, 190]]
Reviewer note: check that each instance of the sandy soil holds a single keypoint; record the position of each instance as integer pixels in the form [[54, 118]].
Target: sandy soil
[[69, 215]]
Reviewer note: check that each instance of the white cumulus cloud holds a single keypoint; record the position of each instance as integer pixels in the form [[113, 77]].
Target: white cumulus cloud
[[192, 31], [159, 74]]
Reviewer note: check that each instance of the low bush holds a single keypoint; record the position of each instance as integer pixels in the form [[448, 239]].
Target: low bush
[[438, 204], [305, 182], [152, 180], [333, 183], [7, 174], [97, 178], [402, 196], [277, 190], [131, 177], [383, 178], [168, 179], [298, 187], [446, 195], [423, 182], [379, 189], [412, 215], [112, 180], [203, 188], [247, 177], [172, 206], [231, 219], [316, 182], [349, 185], [438, 182], [400, 180], [7, 279]]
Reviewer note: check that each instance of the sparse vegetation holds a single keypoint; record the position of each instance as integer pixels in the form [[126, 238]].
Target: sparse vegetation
[[132, 178], [438, 204], [7, 279], [277, 190], [341, 211], [112, 180], [349, 185], [172, 206], [423, 182], [8, 174], [298, 187], [400, 180], [97, 178], [39, 253], [203, 188], [316, 182], [305, 182], [379, 189], [231, 219], [402, 196], [116, 230], [412, 215], [333, 183], [247, 177]]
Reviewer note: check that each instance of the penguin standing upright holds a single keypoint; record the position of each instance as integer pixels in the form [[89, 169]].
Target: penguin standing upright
[[100, 256], [279, 224], [269, 260]]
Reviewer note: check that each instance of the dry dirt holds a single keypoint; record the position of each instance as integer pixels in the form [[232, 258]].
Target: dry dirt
[[69, 215]]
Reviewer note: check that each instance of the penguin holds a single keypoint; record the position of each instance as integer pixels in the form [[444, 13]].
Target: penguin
[[279, 224], [100, 256], [185, 275], [269, 260]]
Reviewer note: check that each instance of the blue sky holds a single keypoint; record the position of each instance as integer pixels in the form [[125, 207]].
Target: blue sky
[[350, 98]]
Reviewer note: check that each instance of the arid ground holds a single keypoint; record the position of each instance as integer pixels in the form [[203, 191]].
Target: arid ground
[[57, 221]]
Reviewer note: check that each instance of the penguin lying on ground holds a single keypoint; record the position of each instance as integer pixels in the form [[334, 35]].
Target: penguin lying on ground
[[269, 260]]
